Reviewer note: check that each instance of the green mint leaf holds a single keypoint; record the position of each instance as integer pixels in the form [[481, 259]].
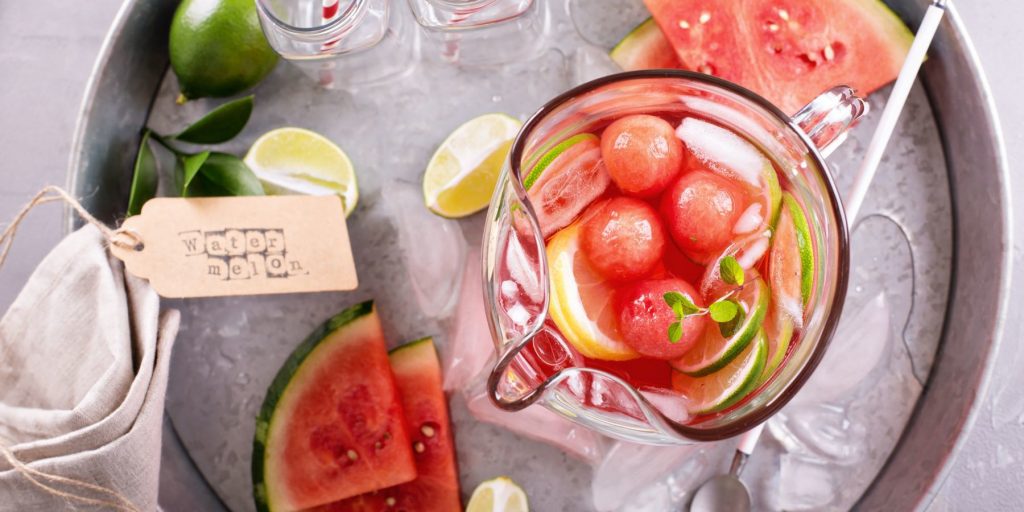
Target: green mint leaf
[[675, 332], [681, 304], [689, 307], [144, 178], [189, 166], [673, 298], [724, 311], [731, 271], [679, 310], [219, 125], [224, 175], [730, 327]]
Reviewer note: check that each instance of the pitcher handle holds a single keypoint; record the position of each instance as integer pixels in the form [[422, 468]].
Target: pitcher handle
[[828, 118]]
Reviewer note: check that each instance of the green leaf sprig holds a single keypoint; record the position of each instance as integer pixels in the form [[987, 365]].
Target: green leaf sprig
[[727, 313], [206, 173]]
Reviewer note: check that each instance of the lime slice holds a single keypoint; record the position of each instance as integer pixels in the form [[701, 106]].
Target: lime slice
[[498, 495], [554, 153], [581, 301], [792, 260], [778, 328], [772, 192], [461, 175], [714, 351], [296, 161], [727, 386]]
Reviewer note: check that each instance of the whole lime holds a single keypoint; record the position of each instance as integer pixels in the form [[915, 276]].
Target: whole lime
[[217, 48]]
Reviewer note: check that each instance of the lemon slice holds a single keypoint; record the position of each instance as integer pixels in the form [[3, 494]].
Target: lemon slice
[[581, 301], [498, 495], [296, 161], [461, 175]]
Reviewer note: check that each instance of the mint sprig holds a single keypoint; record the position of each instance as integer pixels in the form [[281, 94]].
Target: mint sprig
[[727, 313]]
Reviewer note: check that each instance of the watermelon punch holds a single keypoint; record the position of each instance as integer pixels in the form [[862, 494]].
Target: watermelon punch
[[691, 247]]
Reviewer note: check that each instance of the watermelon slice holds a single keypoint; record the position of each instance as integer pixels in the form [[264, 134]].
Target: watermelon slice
[[418, 373], [331, 425], [788, 51], [645, 48]]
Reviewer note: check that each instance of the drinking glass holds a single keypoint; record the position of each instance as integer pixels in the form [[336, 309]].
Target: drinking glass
[[341, 43], [466, 14], [536, 365]]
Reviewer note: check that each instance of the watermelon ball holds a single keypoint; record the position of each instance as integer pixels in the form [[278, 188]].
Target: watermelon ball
[[642, 154], [700, 210], [644, 318], [622, 238]]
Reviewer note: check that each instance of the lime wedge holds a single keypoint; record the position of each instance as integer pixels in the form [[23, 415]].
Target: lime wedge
[[792, 260], [727, 386], [296, 161], [461, 175], [778, 328], [552, 154], [498, 495], [714, 351]]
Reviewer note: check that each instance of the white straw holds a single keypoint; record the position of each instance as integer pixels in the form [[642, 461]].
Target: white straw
[[894, 108]]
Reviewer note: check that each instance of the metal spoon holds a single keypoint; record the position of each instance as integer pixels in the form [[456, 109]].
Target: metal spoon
[[726, 493]]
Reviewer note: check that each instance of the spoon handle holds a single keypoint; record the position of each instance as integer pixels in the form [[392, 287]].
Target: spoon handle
[[747, 444]]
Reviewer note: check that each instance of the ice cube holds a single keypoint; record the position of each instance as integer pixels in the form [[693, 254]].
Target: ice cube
[[805, 484], [855, 350], [750, 220], [723, 150], [432, 248]]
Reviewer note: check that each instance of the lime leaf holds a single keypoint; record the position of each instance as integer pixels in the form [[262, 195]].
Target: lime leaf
[[731, 271], [224, 175], [144, 178], [190, 165], [219, 125], [675, 332], [724, 311]]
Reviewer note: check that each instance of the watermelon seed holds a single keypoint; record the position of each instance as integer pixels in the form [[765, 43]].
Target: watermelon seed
[[683, 24], [427, 430], [390, 501], [829, 52], [352, 455], [419, 447], [784, 14], [704, 17], [773, 27]]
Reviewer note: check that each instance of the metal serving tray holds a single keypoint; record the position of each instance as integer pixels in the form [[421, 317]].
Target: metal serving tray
[[944, 186]]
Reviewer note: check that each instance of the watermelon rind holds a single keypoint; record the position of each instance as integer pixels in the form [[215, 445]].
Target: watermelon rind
[[642, 46], [279, 386]]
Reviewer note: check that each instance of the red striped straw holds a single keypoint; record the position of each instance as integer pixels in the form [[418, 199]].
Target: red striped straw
[[328, 12]]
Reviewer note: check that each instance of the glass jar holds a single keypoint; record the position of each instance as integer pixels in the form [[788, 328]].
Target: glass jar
[[536, 365], [341, 43]]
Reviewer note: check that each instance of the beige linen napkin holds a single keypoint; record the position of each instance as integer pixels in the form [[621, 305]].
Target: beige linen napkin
[[84, 355]]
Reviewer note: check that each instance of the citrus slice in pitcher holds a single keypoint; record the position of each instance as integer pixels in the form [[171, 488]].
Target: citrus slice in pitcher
[[716, 350], [791, 260], [581, 301], [728, 385]]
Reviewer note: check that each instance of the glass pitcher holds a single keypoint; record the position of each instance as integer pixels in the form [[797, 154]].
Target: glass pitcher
[[535, 364]]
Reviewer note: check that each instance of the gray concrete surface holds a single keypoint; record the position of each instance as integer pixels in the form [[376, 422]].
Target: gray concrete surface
[[47, 50]]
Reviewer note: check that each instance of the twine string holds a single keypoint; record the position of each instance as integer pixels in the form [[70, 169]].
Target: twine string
[[121, 503], [121, 237]]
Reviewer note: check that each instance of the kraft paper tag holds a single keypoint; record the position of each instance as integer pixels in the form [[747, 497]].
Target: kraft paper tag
[[219, 246]]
